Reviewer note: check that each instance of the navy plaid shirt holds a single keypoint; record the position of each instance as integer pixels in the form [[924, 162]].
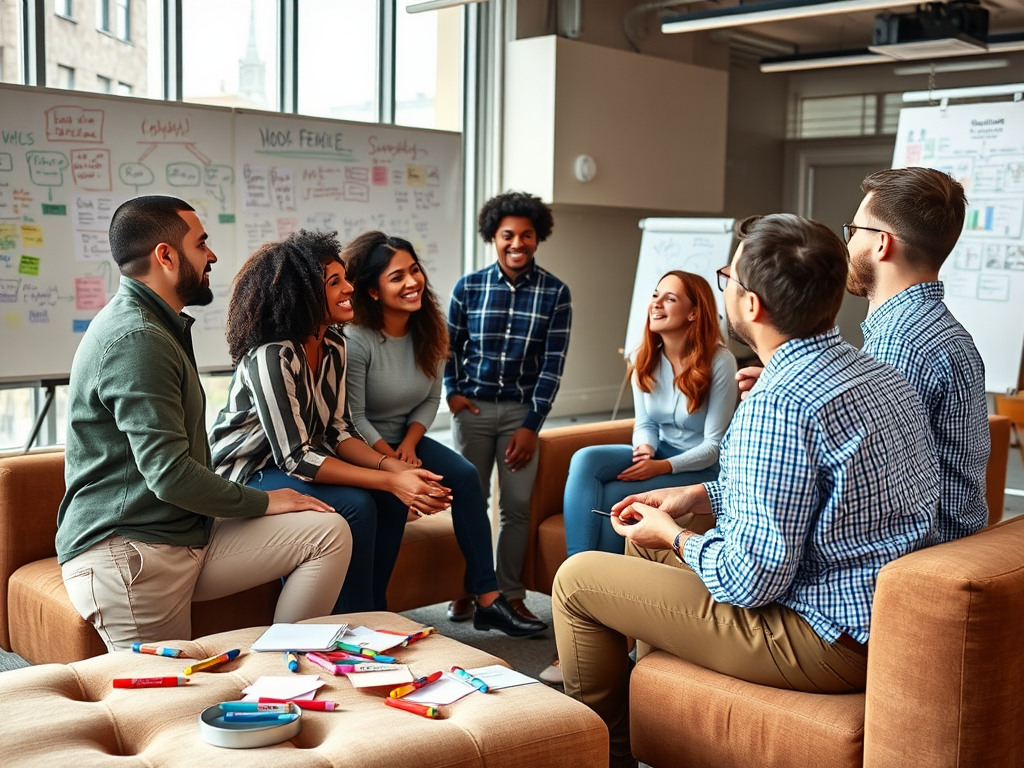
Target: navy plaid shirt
[[509, 341], [828, 472], [915, 334]]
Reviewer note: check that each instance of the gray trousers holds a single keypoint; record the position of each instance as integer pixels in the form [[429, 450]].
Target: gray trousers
[[482, 439]]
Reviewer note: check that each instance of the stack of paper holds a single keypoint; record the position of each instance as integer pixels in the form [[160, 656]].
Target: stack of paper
[[300, 637], [290, 687]]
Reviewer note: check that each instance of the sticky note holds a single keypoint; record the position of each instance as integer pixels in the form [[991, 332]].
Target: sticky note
[[12, 321], [226, 218], [80, 326], [8, 237], [416, 176], [32, 235], [90, 293], [28, 265], [54, 210]]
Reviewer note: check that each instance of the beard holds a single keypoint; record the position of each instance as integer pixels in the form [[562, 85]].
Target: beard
[[736, 333], [861, 277], [190, 289]]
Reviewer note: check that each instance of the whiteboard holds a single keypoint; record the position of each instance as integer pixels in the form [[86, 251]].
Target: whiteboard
[[701, 246], [982, 146], [297, 172], [67, 160]]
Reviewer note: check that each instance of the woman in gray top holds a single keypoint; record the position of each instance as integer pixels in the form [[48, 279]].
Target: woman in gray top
[[397, 346]]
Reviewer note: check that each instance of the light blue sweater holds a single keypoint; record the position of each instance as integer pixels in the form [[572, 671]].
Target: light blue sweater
[[661, 415]]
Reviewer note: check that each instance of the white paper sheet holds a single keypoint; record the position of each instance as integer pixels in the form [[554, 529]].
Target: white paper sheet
[[365, 637], [447, 690], [393, 678], [280, 687], [498, 677]]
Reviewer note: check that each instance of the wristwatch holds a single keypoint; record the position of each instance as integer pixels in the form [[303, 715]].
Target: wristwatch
[[675, 544]]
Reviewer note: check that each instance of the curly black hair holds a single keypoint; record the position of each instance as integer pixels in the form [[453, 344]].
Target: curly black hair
[[367, 257], [278, 295], [515, 204]]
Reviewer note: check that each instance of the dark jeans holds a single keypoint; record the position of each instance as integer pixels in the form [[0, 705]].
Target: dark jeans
[[469, 512], [377, 522]]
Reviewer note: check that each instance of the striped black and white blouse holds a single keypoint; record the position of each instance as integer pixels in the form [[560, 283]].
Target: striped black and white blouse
[[279, 410]]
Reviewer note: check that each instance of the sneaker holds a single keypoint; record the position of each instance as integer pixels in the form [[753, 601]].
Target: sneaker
[[461, 609], [502, 616], [552, 674]]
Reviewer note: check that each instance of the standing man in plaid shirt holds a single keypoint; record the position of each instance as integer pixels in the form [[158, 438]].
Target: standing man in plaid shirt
[[509, 331], [828, 472]]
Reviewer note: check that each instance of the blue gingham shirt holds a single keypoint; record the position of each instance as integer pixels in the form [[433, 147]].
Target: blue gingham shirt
[[828, 472], [509, 340], [915, 334]]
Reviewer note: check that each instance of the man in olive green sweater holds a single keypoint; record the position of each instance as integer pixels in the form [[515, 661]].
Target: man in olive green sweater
[[146, 526]]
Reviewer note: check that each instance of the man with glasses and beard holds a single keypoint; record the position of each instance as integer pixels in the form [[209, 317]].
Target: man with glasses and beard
[[828, 472], [903, 231], [146, 527]]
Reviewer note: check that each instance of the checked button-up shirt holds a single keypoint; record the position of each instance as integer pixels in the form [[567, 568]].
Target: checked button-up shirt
[[828, 473]]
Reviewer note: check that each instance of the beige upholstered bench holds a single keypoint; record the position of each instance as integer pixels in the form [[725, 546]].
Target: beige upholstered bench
[[69, 715]]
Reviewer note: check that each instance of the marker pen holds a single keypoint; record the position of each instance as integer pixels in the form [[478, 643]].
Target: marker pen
[[259, 717], [174, 653], [150, 682], [326, 664], [473, 680], [212, 661], [252, 706], [318, 705], [423, 710]]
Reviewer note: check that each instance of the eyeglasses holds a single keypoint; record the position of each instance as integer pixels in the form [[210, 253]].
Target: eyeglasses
[[724, 278], [849, 229]]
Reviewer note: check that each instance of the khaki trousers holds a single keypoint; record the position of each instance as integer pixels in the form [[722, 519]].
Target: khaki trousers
[[133, 591], [600, 599], [482, 439]]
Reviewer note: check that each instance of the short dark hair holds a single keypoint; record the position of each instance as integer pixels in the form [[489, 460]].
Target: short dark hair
[[368, 256], [278, 294], [142, 223], [923, 208], [797, 267], [515, 204]]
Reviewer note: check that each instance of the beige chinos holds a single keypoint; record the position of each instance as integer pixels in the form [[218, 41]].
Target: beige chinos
[[600, 599], [133, 591]]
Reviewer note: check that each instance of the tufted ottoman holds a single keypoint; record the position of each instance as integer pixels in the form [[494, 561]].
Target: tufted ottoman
[[69, 715]]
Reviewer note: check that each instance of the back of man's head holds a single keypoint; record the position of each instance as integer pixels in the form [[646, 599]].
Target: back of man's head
[[797, 268], [140, 224], [924, 209]]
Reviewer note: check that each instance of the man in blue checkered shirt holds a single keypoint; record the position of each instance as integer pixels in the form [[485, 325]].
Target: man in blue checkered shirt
[[906, 226], [509, 330], [828, 472], [904, 230]]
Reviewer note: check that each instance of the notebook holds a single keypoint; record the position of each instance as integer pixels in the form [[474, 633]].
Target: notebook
[[300, 637]]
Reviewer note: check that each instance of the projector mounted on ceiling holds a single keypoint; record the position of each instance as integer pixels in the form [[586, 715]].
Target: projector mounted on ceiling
[[933, 30]]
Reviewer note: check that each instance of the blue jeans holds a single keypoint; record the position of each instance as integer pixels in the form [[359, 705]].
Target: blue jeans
[[469, 512], [377, 521], [592, 484]]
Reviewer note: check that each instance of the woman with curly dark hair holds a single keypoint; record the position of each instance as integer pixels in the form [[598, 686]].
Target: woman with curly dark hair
[[397, 346], [283, 424]]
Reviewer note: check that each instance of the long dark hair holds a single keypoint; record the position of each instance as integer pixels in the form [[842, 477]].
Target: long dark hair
[[278, 294], [367, 257]]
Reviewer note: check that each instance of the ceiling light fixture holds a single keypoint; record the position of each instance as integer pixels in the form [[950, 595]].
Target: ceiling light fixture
[[953, 66], [807, 61], [787, 10], [973, 92], [437, 5]]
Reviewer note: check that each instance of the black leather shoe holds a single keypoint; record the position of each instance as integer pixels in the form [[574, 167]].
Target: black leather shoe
[[461, 609], [502, 616]]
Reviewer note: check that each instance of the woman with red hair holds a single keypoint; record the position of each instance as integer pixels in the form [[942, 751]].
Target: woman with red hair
[[684, 394]]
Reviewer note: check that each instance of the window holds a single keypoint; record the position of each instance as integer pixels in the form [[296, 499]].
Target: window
[[230, 52], [123, 89], [428, 67], [124, 20], [338, 77], [11, 40], [103, 15], [64, 8], [65, 77], [104, 84], [833, 116]]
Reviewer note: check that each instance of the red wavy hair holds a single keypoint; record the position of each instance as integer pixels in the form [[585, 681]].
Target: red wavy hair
[[703, 338]]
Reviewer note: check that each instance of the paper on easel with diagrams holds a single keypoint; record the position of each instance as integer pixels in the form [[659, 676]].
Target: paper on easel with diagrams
[[982, 147]]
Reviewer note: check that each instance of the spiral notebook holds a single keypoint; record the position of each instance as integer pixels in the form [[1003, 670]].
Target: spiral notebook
[[299, 637]]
